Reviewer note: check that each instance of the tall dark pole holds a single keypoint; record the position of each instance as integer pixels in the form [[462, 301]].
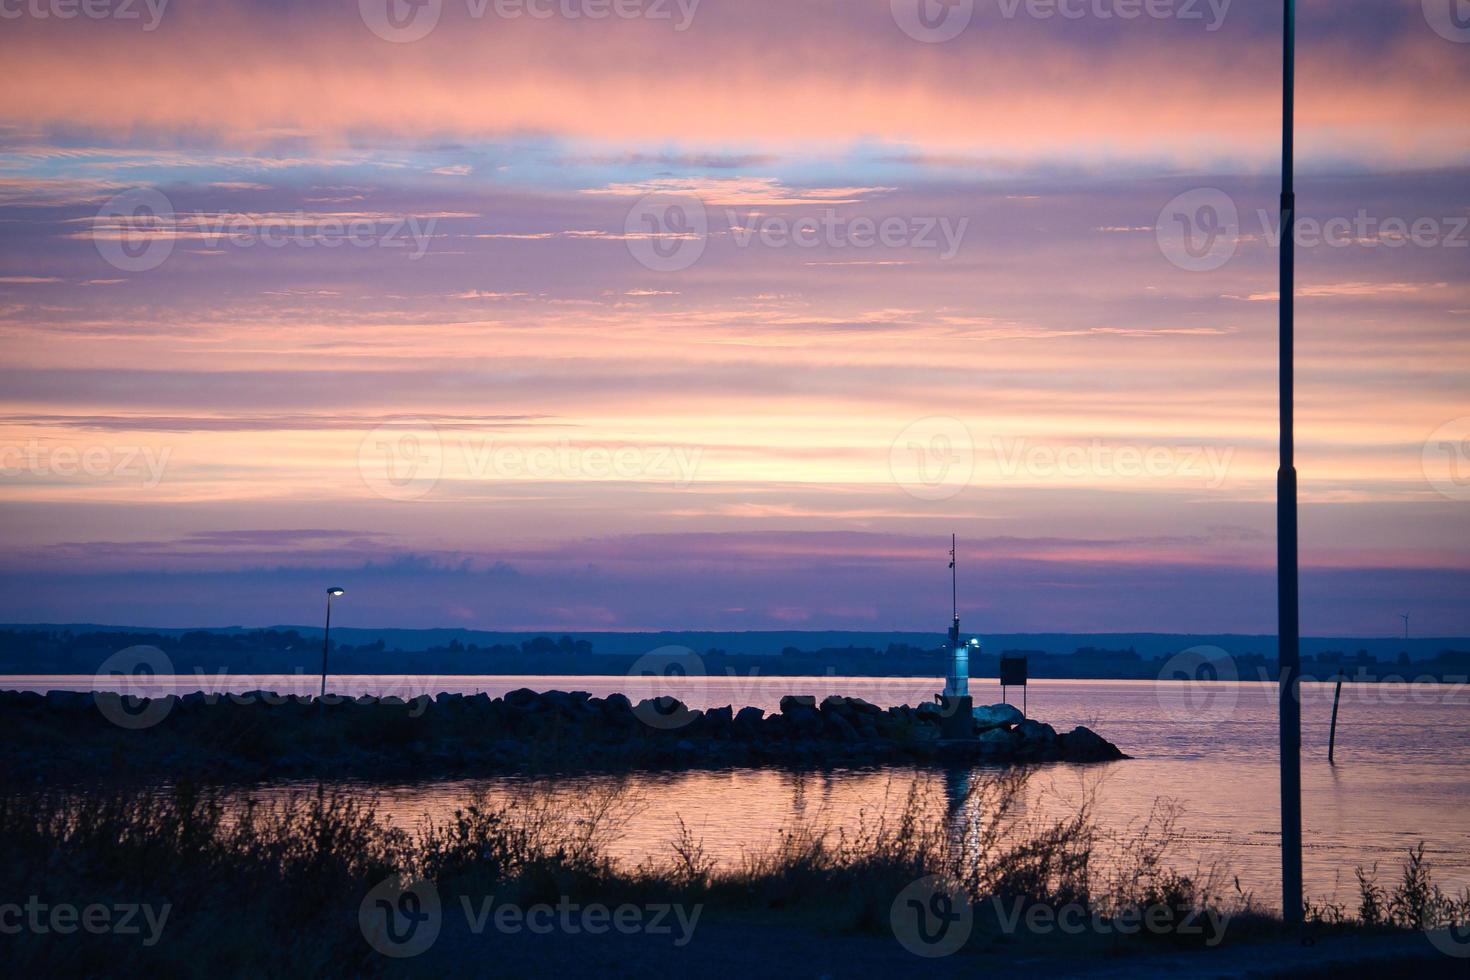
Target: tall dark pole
[[1287, 614], [326, 639]]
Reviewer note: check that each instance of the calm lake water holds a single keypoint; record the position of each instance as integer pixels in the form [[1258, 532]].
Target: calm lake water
[[1402, 774]]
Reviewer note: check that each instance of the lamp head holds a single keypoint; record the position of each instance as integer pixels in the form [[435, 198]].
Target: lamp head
[[335, 591]]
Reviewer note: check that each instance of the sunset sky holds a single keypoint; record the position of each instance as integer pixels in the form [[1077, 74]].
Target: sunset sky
[[725, 314]]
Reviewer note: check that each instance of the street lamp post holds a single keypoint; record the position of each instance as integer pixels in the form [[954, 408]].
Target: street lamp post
[[1287, 606], [332, 593]]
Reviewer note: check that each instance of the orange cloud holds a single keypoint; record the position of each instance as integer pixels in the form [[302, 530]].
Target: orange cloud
[[1007, 92]]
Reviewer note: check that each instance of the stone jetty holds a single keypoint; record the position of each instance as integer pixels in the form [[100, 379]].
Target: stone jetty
[[259, 735]]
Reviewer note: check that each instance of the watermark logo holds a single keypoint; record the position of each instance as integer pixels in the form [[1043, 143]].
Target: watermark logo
[[1198, 231], [484, 459], [1209, 465], [1201, 229], [676, 673], [667, 232], [150, 12], [933, 458], [123, 687], [401, 460], [145, 465], [571, 918], [64, 919], [401, 21], [137, 230], [401, 919], [1075, 919], [937, 21], [1450, 19], [1446, 459], [134, 230], [1211, 13], [931, 918], [406, 21], [932, 21], [1198, 685], [832, 231], [1452, 940]]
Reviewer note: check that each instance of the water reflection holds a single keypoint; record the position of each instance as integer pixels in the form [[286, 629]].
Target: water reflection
[[1402, 774]]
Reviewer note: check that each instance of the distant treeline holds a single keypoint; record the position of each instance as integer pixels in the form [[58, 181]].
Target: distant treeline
[[287, 651]]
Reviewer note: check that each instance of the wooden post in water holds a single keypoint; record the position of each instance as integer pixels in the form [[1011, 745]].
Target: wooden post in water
[[1332, 734]]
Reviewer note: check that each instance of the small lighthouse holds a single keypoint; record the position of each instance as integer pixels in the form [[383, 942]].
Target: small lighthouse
[[956, 701]]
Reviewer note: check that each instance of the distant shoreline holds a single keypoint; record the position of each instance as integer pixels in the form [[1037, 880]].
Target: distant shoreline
[[286, 651], [213, 680]]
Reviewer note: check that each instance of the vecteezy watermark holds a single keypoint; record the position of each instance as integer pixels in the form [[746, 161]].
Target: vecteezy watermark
[[1446, 459], [137, 230], [1452, 940], [133, 231], [402, 919], [931, 917], [936, 21], [1207, 464], [932, 21], [1450, 19], [1200, 230], [401, 460], [829, 230], [124, 683], [406, 21], [666, 232], [569, 918], [933, 458], [485, 459], [148, 12], [142, 464], [1075, 919], [65, 919], [405, 460], [1189, 688], [677, 675], [1210, 13]]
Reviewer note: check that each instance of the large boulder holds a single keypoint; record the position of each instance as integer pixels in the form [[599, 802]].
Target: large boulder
[[834, 704], [69, 700], [748, 721], [717, 721], [840, 728], [989, 716], [996, 741], [801, 715], [849, 708], [905, 724], [1035, 734], [523, 699], [572, 704], [1085, 745]]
